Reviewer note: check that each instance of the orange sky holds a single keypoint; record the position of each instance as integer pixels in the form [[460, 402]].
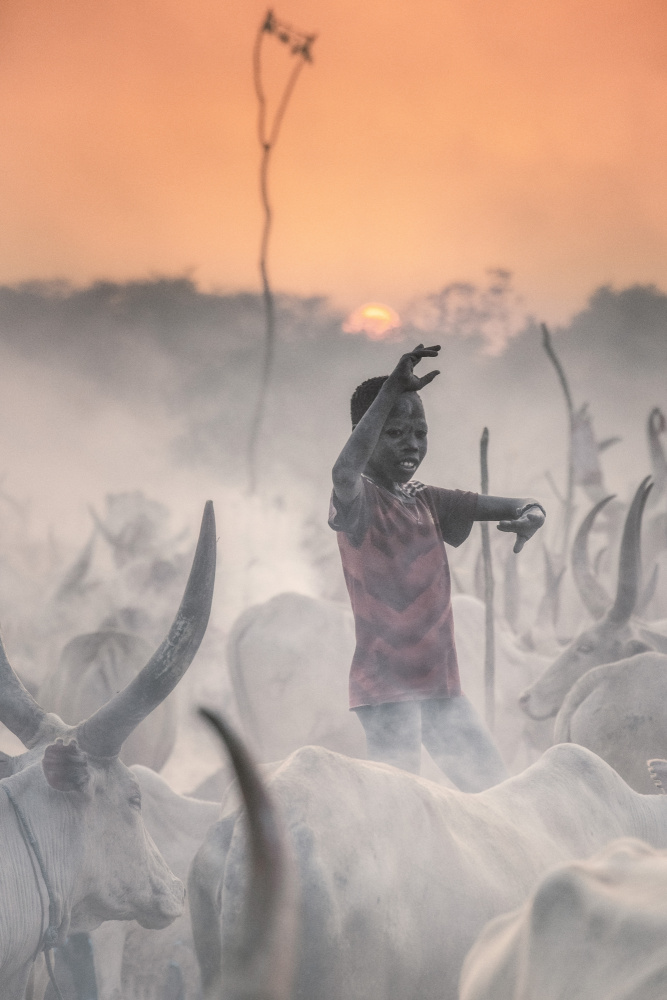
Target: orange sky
[[428, 141]]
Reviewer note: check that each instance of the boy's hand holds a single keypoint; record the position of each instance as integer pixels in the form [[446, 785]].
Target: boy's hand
[[403, 378], [524, 526]]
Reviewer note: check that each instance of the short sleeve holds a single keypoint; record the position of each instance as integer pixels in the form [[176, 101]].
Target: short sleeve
[[352, 518], [455, 511]]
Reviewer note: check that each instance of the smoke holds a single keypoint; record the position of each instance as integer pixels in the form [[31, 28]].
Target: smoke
[[149, 386]]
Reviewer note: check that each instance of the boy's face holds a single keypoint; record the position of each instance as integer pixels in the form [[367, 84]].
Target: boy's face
[[402, 444]]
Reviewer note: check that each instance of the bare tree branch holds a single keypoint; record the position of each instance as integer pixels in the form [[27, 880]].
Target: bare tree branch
[[300, 46]]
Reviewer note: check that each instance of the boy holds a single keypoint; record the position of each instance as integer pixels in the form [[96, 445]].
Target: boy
[[404, 680]]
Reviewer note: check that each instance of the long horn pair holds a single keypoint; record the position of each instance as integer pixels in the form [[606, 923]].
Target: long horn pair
[[629, 563], [103, 734], [591, 591]]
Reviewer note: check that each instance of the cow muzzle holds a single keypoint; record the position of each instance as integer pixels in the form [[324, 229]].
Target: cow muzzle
[[531, 707], [168, 902]]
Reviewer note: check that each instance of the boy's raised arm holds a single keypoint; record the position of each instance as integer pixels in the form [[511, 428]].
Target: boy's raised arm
[[361, 443], [523, 516]]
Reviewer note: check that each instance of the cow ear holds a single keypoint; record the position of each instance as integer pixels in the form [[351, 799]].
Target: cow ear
[[65, 766], [658, 771], [6, 765]]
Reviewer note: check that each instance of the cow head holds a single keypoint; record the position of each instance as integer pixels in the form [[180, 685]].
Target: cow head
[[613, 637], [81, 802]]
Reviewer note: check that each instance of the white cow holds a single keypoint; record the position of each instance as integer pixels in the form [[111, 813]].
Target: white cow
[[131, 961], [616, 636], [398, 875], [619, 711], [289, 661], [75, 851], [591, 930]]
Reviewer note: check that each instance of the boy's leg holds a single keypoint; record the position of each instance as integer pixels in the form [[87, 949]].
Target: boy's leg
[[460, 744], [393, 733]]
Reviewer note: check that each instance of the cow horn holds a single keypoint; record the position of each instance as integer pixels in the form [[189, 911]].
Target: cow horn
[[103, 734], [18, 709], [547, 611], [262, 962], [657, 426], [648, 593], [629, 563], [591, 591]]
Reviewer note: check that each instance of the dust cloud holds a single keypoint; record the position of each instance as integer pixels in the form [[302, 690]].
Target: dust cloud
[[146, 389]]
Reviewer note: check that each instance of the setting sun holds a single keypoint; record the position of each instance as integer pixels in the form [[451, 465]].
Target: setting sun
[[377, 321]]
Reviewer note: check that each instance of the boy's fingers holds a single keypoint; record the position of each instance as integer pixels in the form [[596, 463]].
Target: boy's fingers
[[425, 352], [519, 544], [425, 379]]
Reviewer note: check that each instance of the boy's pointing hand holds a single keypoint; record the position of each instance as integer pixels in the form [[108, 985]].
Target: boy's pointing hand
[[403, 377], [525, 526]]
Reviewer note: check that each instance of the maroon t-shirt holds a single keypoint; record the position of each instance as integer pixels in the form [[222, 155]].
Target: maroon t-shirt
[[397, 575]]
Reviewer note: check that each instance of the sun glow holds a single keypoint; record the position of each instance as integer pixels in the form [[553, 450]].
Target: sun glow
[[377, 321]]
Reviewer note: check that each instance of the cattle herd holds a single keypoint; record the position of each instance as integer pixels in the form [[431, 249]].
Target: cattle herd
[[298, 869]]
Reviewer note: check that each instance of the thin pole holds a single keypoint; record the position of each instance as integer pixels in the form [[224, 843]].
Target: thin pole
[[489, 647], [568, 505]]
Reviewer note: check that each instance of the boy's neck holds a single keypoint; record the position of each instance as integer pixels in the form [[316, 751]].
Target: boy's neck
[[397, 489]]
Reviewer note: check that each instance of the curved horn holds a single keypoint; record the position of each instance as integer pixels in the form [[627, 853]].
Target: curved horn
[[648, 592], [591, 591], [18, 709], [629, 563], [103, 734], [657, 426], [547, 611], [262, 963]]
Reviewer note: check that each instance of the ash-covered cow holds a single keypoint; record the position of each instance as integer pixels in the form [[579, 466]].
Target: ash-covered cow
[[75, 849], [129, 959], [616, 636], [609, 687], [398, 875], [619, 711], [591, 930]]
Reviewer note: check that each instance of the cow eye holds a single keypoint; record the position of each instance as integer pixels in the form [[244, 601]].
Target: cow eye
[[135, 800], [585, 647]]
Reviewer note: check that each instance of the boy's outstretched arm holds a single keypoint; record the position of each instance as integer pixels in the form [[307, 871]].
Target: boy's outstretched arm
[[524, 517], [361, 443]]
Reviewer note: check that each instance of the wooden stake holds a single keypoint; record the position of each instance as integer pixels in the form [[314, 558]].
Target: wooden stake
[[489, 651]]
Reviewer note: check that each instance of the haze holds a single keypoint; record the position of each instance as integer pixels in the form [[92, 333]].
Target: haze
[[426, 143]]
